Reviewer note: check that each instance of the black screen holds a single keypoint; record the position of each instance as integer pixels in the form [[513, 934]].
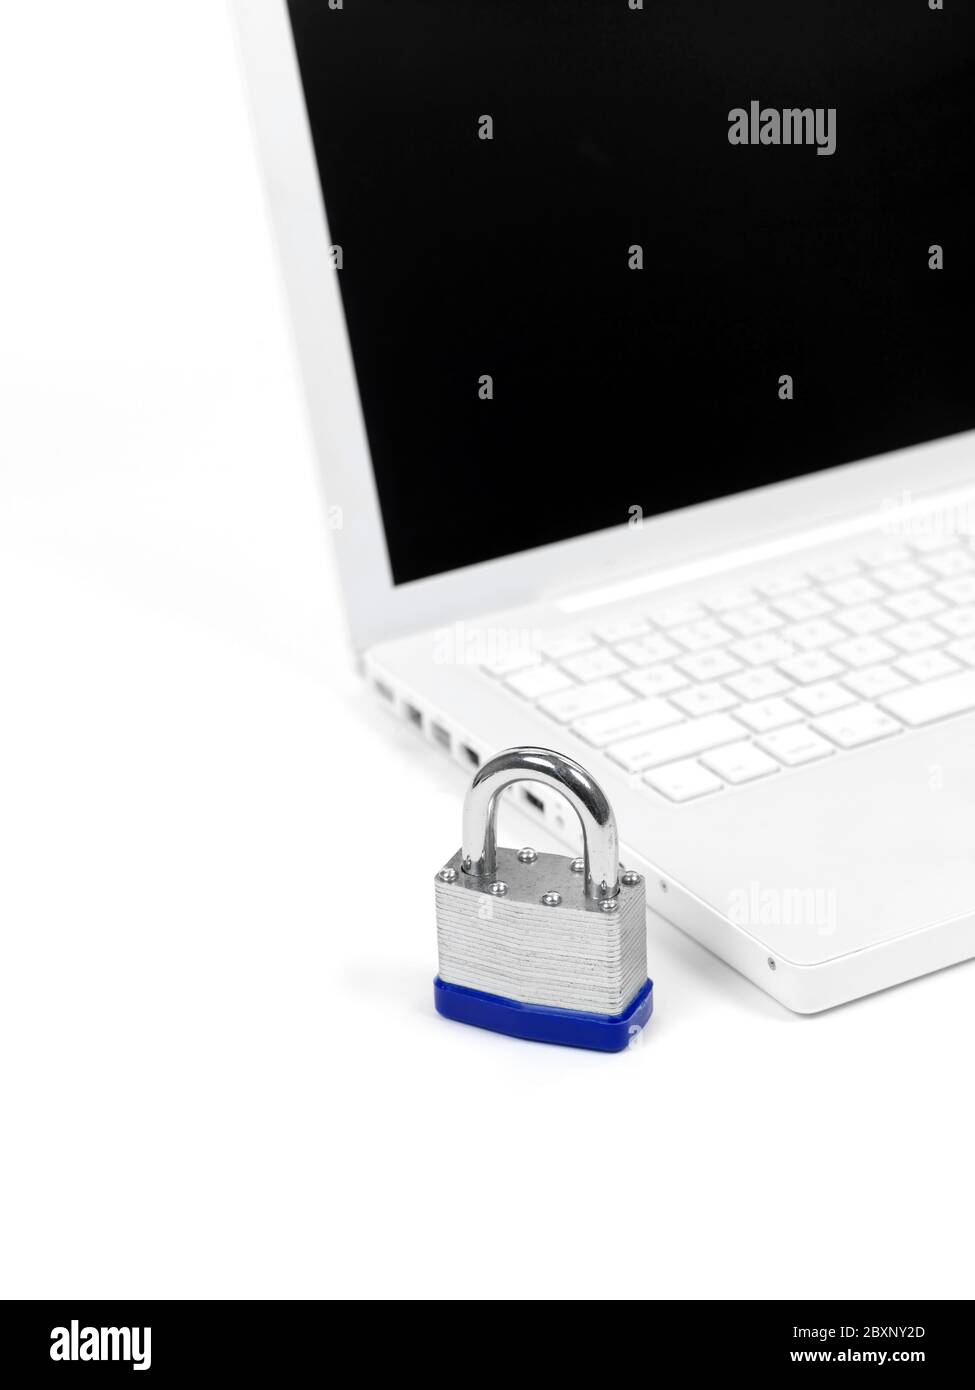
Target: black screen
[[615, 387]]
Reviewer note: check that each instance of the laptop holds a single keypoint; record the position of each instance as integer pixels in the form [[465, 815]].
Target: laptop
[[638, 349]]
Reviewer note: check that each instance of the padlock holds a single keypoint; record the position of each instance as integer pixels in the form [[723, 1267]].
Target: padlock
[[542, 946]]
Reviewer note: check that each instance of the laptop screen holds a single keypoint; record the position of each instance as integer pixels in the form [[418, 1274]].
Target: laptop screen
[[598, 255]]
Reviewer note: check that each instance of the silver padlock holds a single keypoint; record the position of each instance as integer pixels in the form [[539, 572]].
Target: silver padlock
[[540, 945]]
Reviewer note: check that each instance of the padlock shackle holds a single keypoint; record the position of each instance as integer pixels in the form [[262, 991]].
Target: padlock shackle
[[600, 838]]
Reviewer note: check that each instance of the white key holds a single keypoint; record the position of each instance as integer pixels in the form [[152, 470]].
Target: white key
[[796, 746], [916, 603], [964, 649], [620, 629], [903, 576], [516, 659], [958, 621], [818, 633], [828, 571], [536, 681], [594, 666], [683, 781], [626, 721], [708, 666], [863, 651], [859, 724], [760, 651], [803, 606], [927, 666], [749, 622], [759, 684], [781, 584], [647, 651], [569, 705], [655, 680], [740, 762], [914, 637], [808, 667], [765, 715], [961, 589], [727, 599], [864, 619], [949, 562], [823, 698], [682, 741], [670, 614], [874, 681], [694, 637], [859, 589], [704, 699], [559, 645], [922, 704]]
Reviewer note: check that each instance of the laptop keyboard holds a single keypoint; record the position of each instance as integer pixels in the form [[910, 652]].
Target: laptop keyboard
[[745, 681]]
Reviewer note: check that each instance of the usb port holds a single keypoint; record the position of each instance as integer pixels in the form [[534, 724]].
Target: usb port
[[470, 755], [413, 715], [441, 735], [535, 801]]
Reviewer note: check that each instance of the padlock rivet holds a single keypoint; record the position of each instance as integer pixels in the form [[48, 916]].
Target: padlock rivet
[[498, 889], [577, 866], [448, 875], [609, 905], [551, 899], [527, 855], [631, 878]]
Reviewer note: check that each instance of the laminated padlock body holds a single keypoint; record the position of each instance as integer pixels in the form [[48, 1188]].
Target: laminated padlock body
[[541, 945]]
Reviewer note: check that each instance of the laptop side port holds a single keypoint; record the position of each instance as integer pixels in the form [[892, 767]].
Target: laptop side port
[[413, 714], [470, 754], [440, 735], [535, 802]]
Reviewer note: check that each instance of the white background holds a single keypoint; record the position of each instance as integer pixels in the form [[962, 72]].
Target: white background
[[221, 1073]]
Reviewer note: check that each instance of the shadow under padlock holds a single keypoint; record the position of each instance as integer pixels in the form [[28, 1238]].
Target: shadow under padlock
[[541, 946]]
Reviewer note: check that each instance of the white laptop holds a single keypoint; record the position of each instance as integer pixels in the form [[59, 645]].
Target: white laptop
[[648, 441]]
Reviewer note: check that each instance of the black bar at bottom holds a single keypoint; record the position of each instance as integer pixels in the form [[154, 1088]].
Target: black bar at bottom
[[289, 1342]]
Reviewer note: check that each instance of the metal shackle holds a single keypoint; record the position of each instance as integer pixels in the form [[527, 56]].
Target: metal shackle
[[600, 839]]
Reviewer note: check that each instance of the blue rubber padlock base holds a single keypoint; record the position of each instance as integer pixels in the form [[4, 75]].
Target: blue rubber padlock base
[[540, 1022]]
